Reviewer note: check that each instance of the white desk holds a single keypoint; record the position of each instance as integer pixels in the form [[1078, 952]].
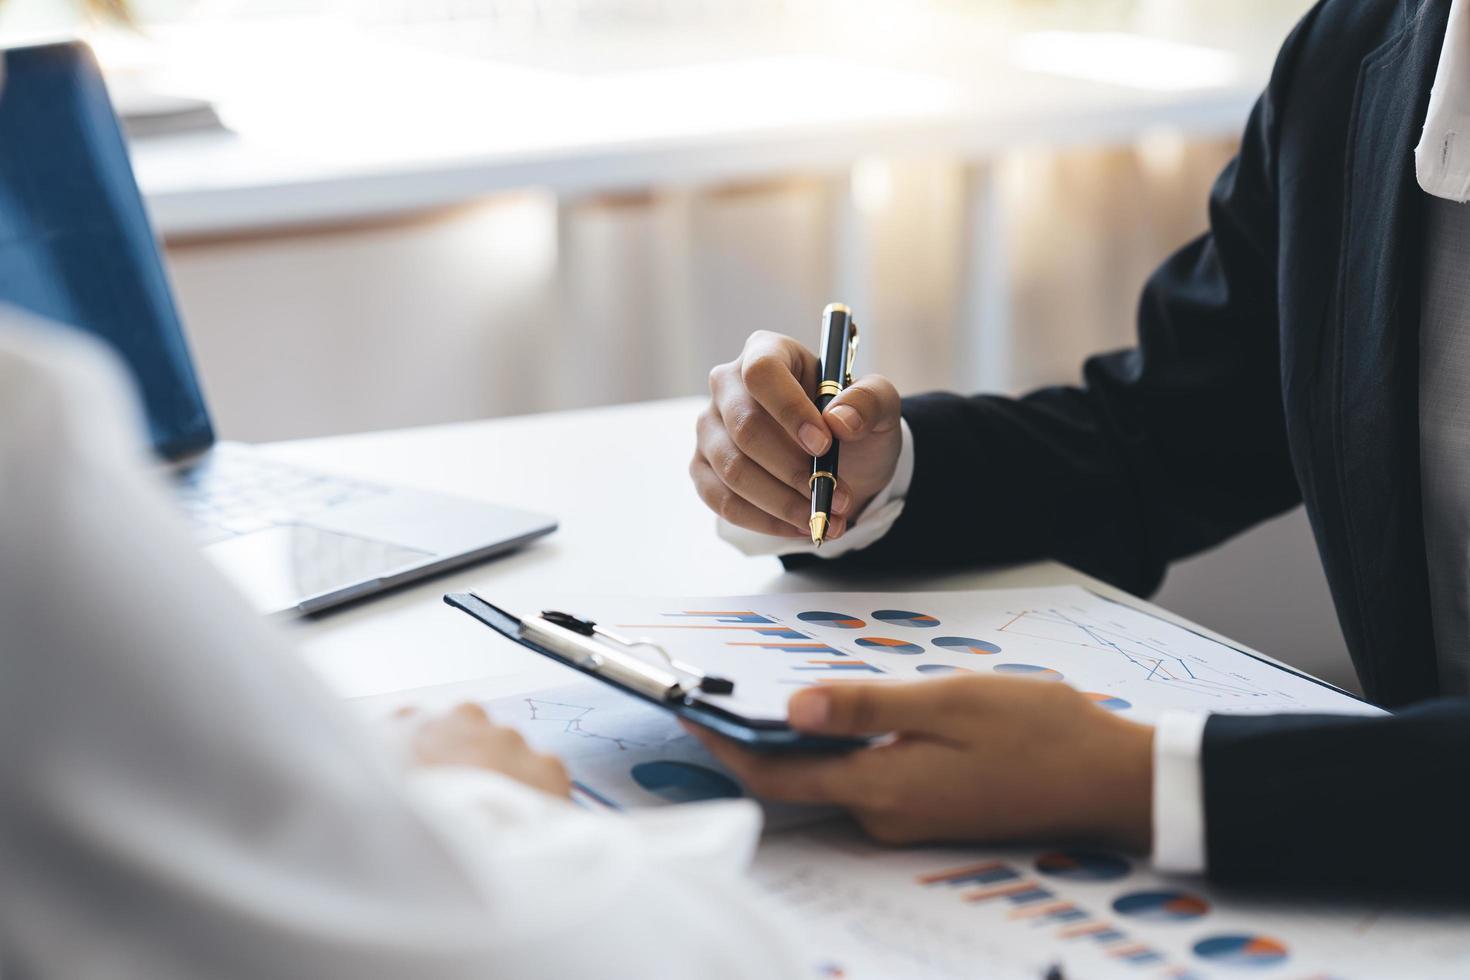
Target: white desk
[[630, 524]]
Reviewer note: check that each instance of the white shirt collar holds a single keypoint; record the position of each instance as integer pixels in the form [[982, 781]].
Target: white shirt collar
[[1442, 158]]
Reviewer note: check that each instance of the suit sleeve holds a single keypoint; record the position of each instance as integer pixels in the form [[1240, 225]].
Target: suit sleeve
[[1340, 801], [1164, 450]]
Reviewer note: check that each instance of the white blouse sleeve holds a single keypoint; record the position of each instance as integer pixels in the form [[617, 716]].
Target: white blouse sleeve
[[181, 799]]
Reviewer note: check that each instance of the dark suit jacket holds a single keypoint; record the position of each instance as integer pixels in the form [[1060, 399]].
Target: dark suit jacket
[[1277, 363]]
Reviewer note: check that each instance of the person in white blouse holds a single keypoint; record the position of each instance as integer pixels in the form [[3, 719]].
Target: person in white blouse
[[1310, 348], [182, 800]]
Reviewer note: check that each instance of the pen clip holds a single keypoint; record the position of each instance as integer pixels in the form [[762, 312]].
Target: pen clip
[[852, 348]]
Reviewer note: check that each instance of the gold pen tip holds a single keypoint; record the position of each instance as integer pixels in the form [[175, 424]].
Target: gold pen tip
[[819, 529]]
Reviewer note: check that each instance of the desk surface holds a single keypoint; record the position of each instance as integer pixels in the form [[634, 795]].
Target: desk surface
[[630, 524]]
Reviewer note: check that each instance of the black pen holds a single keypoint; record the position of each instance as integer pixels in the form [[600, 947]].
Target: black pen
[[838, 348]]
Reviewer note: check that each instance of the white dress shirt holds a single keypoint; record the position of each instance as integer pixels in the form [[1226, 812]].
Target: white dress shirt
[[1442, 162], [182, 800]]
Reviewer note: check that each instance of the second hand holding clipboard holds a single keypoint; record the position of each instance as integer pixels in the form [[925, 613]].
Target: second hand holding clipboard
[[677, 687]]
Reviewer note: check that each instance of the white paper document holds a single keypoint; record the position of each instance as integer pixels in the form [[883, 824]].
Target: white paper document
[[1125, 659], [868, 912], [621, 752], [873, 913]]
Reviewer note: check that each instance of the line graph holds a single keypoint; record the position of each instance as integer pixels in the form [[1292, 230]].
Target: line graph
[[1153, 660], [571, 717]]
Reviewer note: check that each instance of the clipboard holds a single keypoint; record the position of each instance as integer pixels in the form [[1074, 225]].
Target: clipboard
[[678, 688]]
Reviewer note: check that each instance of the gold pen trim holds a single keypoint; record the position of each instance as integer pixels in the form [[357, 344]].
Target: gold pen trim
[[813, 480], [829, 388]]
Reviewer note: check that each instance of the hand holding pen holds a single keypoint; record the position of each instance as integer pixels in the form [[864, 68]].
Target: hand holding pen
[[761, 429]]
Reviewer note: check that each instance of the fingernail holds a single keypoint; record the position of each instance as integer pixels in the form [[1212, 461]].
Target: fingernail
[[848, 416], [842, 500], [813, 439], [808, 710]]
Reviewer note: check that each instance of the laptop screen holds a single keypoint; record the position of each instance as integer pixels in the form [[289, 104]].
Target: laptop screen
[[75, 243]]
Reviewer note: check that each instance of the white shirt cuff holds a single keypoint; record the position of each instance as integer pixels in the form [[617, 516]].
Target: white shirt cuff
[[874, 521], [1179, 799]]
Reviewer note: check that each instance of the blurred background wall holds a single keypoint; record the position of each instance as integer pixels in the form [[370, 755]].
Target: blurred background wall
[[533, 298]]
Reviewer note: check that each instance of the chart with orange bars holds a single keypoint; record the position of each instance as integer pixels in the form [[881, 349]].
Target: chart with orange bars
[[1125, 659]]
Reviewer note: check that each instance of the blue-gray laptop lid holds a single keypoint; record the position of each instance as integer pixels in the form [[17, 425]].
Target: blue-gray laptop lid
[[75, 243]]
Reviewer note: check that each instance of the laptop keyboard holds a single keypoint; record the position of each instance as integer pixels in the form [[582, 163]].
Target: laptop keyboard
[[231, 493]]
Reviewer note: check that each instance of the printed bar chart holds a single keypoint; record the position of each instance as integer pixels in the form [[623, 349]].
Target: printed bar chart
[[1058, 912], [736, 616], [779, 632], [1137, 955], [1016, 892], [806, 647], [985, 873], [1098, 932], [1035, 894], [839, 666]]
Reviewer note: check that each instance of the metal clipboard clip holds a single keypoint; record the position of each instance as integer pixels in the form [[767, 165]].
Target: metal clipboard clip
[[599, 650]]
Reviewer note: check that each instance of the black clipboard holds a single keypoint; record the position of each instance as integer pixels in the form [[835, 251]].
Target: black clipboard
[[682, 697]]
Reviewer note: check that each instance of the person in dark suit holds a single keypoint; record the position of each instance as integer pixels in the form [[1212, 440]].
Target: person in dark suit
[[1312, 347]]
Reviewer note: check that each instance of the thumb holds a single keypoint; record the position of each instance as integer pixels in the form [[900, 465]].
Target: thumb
[[870, 404], [870, 709]]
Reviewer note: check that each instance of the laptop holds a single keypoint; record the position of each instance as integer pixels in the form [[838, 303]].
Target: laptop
[[76, 248]]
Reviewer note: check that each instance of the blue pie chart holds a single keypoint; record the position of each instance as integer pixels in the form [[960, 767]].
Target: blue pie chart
[[822, 617], [1251, 952], [685, 782], [1029, 670], [967, 644], [942, 669], [890, 645], [903, 617], [1083, 865], [1161, 906], [1110, 701]]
